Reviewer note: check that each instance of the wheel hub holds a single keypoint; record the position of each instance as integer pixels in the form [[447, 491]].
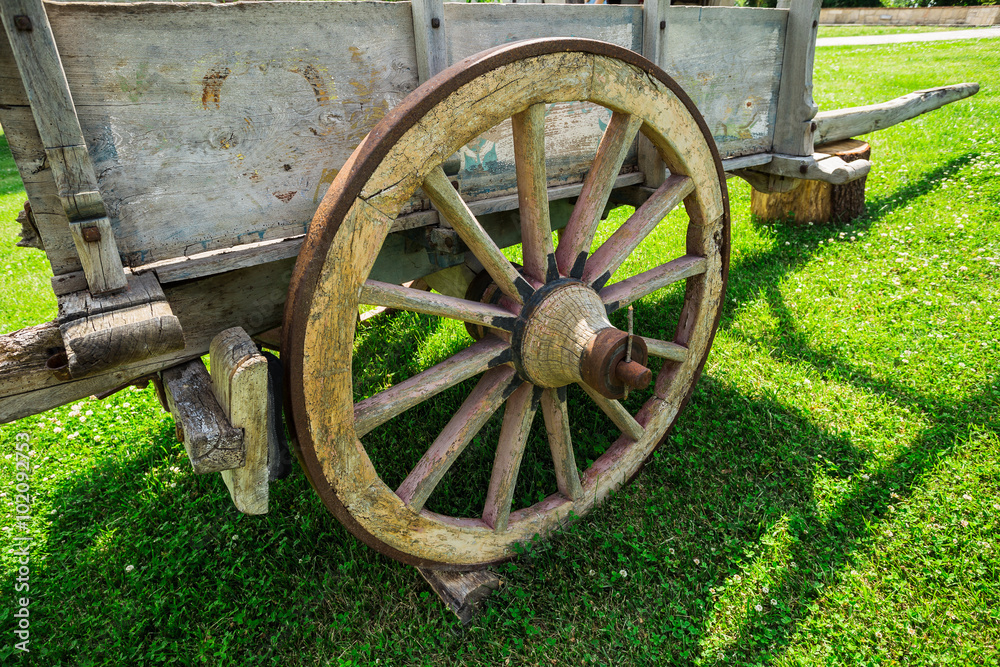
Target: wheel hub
[[563, 336]]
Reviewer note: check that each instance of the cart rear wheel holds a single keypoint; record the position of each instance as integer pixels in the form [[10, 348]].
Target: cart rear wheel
[[546, 325]]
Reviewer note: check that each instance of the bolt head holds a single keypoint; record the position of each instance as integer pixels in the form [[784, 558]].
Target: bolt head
[[22, 22]]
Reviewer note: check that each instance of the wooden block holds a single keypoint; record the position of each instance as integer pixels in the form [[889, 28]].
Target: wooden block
[[818, 201], [102, 265], [240, 384], [463, 592], [211, 441], [104, 331]]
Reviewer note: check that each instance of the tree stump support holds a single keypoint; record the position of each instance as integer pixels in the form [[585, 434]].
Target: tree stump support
[[818, 201]]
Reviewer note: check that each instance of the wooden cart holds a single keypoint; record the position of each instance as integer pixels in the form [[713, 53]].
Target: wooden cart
[[199, 174]]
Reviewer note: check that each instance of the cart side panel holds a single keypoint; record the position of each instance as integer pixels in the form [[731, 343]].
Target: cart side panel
[[572, 130], [212, 126], [29, 154], [728, 59]]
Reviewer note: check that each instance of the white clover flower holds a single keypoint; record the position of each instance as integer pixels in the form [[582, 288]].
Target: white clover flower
[[623, 572], [766, 589], [697, 562], [758, 607], [129, 568], [773, 602]]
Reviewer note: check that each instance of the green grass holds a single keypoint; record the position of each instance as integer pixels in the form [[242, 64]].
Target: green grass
[[829, 496], [867, 30]]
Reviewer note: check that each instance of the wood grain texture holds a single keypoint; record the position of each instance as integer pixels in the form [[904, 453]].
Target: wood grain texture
[[463, 592], [215, 125], [239, 382], [655, 28], [100, 261], [403, 298], [855, 121], [621, 294], [430, 41], [475, 411], [211, 441], [589, 209], [610, 255], [456, 213], [793, 133], [729, 60], [665, 349], [28, 348], [556, 415], [102, 332], [532, 193], [517, 418], [380, 408]]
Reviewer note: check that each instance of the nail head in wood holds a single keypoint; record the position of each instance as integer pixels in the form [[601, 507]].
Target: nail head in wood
[[435, 23], [663, 25], [91, 234], [22, 22]]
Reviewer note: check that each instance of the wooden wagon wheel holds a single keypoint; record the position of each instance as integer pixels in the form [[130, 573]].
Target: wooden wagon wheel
[[550, 327]]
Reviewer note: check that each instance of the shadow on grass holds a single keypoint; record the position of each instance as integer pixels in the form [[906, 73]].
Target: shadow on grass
[[293, 586]]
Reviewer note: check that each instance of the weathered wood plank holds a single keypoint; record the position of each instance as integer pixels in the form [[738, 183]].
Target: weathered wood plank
[[793, 134], [32, 43], [517, 418], [214, 125], [655, 27], [532, 194], [429, 37], [402, 298], [211, 441], [101, 332], [729, 61], [240, 384], [556, 415], [855, 121], [621, 294], [463, 592]]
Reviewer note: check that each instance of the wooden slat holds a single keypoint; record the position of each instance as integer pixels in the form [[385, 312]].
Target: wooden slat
[[463, 592], [623, 293], [729, 61], [429, 37], [456, 213], [475, 411], [793, 134], [617, 413], [33, 46], [606, 259], [663, 349], [514, 432], [403, 298], [529, 160], [597, 187], [655, 26], [240, 384], [380, 408], [556, 416]]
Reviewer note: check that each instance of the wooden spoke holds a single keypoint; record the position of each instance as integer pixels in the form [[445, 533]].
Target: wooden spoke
[[579, 232], [616, 412], [517, 418], [475, 411], [665, 350], [404, 298], [626, 238], [557, 426], [532, 190], [623, 293], [456, 212], [380, 408]]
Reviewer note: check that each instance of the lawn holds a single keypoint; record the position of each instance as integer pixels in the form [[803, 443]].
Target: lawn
[[867, 30], [829, 496]]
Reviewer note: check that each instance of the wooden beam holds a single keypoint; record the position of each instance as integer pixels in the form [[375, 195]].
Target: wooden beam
[[855, 121], [793, 134], [34, 48], [240, 385], [211, 441], [429, 37], [655, 25], [463, 592]]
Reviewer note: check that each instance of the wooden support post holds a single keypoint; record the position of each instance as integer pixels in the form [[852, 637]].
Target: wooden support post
[[211, 441], [655, 23], [463, 592], [239, 382], [793, 129], [34, 48], [818, 201], [428, 33]]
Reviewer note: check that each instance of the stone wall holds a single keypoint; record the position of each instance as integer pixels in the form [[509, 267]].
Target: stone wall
[[945, 16]]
